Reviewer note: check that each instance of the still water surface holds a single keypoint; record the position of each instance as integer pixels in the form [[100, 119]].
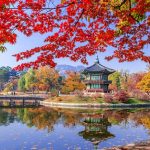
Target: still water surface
[[63, 129]]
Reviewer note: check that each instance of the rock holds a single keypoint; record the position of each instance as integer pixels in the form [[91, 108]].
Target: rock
[[129, 145], [134, 146]]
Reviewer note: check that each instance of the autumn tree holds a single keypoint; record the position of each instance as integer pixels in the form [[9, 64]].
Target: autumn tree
[[48, 78], [78, 28], [8, 87], [12, 85], [124, 80], [133, 80], [144, 84], [73, 82], [116, 81]]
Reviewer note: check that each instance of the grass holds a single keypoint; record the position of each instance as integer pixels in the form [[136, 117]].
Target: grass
[[80, 100], [75, 99], [135, 101]]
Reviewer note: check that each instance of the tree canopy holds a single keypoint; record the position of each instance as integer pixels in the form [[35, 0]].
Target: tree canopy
[[144, 84], [78, 28], [73, 83]]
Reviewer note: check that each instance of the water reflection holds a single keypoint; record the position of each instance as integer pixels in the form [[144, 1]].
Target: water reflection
[[101, 128], [96, 129]]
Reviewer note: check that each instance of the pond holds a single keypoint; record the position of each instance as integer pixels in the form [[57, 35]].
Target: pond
[[65, 129]]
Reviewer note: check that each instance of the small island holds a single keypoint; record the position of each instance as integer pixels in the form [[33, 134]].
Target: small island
[[94, 86]]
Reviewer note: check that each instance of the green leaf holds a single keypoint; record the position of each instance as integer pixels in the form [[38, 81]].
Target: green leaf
[[2, 49]]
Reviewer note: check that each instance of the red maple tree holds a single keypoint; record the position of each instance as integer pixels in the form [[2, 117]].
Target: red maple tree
[[78, 28]]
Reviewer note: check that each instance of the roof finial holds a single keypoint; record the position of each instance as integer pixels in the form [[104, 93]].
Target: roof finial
[[97, 60]]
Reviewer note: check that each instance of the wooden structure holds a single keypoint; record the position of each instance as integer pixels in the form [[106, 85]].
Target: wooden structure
[[96, 77], [24, 100], [96, 129]]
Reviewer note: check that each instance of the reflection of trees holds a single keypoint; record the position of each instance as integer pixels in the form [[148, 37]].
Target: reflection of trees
[[6, 117], [96, 129], [117, 116], [96, 123], [71, 118], [39, 117], [141, 117]]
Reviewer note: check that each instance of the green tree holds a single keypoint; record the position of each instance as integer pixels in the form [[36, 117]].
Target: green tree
[[116, 81], [31, 80], [4, 76], [21, 84], [124, 80]]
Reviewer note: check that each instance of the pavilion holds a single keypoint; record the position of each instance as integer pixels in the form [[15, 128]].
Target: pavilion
[[96, 77]]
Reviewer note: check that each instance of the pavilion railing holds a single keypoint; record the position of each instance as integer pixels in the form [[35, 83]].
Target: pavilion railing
[[97, 82]]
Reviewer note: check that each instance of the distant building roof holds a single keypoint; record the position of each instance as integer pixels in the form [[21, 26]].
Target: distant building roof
[[97, 67]]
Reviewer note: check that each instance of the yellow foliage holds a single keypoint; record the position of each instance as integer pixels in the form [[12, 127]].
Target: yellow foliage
[[144, 84], [63, 1], [146, 122], [47, 77], [72, 83]]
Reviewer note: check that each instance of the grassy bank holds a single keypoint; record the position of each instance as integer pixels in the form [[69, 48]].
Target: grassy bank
[[77, 99]]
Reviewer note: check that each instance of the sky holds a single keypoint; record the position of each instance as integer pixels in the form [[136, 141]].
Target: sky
[[25, 43]]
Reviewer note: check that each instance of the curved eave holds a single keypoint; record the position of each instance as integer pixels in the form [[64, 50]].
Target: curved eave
[[98, 68], [103, 71]]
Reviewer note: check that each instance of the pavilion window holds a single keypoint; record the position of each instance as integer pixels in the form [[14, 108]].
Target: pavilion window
[[105, 77], [95, 86], [95, 77]]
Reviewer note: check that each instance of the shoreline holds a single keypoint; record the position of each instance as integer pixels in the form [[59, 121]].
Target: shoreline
[[92, 105], [143, 145]]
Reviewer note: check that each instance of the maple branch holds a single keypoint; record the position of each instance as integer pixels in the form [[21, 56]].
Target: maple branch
[[134, 18], [44, 8], [131, 14], [79, 17]]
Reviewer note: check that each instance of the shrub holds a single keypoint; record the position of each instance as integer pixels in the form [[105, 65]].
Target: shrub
[[108, 98], [140, 95], [54, 92], [96, 96], [121, 96], [79, 94], [144, 97]]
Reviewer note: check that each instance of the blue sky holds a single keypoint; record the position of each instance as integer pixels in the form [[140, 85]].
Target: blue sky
[[23, 43]]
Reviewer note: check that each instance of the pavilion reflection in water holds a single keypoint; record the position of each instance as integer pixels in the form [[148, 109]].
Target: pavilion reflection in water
[[96, 129]]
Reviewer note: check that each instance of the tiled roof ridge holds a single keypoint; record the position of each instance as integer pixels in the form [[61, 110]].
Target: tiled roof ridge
[[105, 67]]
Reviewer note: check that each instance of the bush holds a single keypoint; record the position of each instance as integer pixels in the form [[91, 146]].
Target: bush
[[140, 95], [79, 94], [144, 97], [121, 96], [108, 98], [54, 92], [96, 96]]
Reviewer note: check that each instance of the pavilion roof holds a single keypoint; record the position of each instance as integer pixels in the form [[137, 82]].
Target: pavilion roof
[[98, 68]]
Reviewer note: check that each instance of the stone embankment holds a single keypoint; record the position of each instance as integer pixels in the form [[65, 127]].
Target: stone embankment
[[92, 105], [137, 146]]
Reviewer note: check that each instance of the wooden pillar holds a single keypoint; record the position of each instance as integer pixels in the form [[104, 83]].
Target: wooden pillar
[[10, 103], [36, 102]]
